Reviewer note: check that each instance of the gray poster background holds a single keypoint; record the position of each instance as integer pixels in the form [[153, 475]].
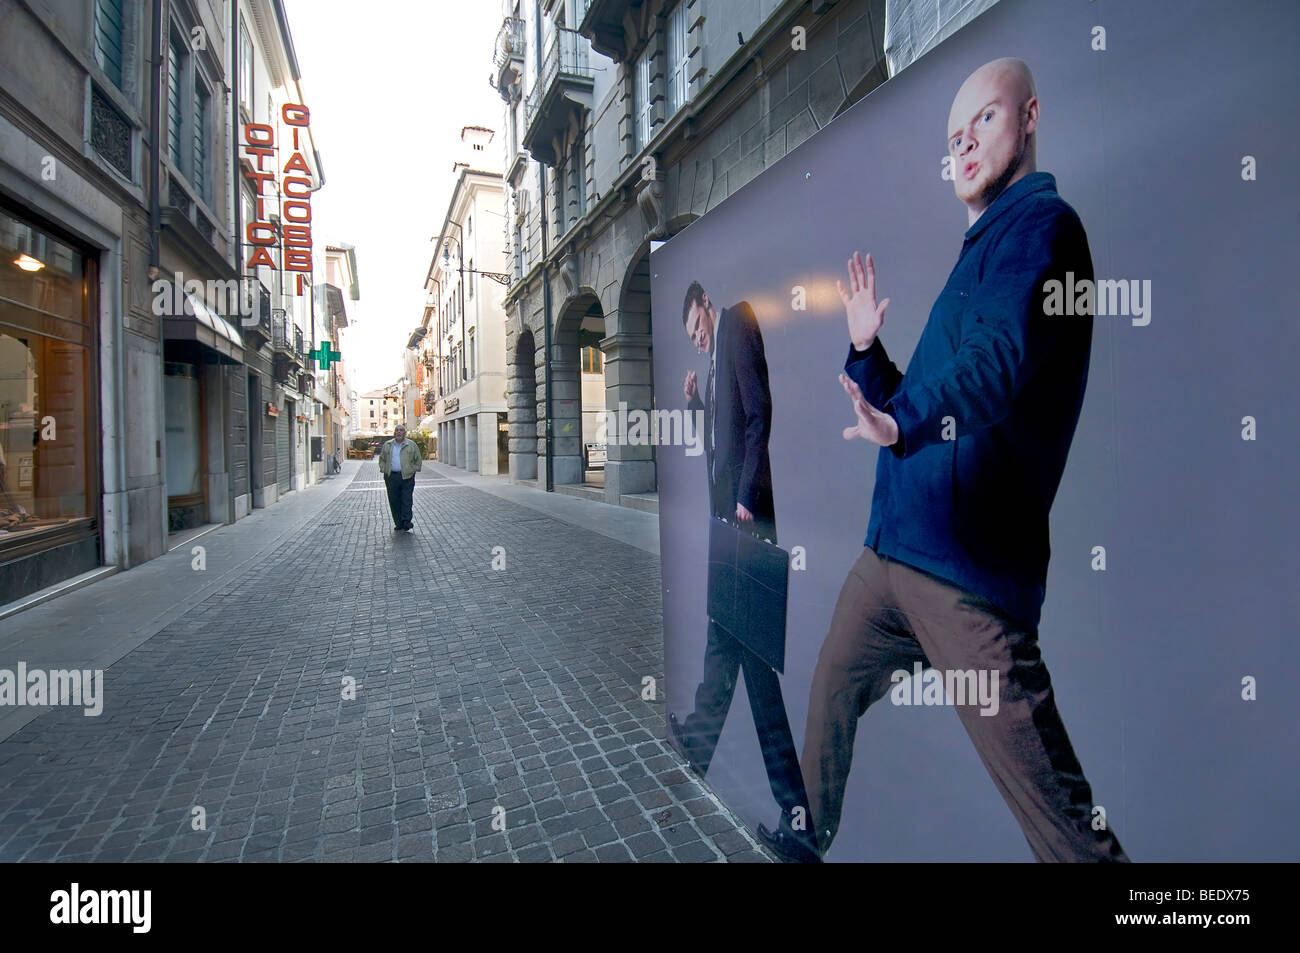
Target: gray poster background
[[1146, 141]]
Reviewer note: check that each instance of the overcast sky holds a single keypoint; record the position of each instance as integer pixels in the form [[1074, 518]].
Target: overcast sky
[[390, 83]]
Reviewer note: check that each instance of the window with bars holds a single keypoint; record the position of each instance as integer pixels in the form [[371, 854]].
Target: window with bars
[[110, 39]]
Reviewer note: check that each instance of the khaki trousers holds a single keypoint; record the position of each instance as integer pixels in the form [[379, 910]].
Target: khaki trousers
[[890, 616]]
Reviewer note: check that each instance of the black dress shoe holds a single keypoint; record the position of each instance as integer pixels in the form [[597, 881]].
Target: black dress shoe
[[788, 847], [679, 742]]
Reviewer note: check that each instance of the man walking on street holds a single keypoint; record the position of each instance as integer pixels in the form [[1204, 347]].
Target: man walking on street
[[399, 460]]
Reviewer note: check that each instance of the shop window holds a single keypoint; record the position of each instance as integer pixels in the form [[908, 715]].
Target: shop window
[[48, 424]]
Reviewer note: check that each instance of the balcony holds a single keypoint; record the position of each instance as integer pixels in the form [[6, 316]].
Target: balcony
[[255, 322], [562, 92], [603, 25], [300, 347], [282, 360], [508, 59]]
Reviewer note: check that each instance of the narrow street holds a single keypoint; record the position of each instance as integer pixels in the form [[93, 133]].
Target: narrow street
[[325, 689]]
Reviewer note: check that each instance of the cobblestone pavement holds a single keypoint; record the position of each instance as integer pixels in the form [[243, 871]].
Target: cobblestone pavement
[[484, 699]]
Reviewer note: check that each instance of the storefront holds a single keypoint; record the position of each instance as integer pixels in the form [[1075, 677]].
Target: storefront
[[202, 373], [49, 415]]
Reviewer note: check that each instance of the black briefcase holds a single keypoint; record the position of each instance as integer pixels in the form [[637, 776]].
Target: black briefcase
[[748, 588]]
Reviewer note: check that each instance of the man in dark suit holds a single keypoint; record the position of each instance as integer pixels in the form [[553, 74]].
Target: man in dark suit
[[737, 409]]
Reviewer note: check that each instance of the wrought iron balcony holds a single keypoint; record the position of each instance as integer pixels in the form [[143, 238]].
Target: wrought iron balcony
[[281, 331], [255, 321], [508, 59], [563, 89]]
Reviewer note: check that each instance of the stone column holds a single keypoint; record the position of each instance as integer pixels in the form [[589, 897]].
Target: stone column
[[566, 428], [521, 410], [628, 469], [487, 443], [471, 443]]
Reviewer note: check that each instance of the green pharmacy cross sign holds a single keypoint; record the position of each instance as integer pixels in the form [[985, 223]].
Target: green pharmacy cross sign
[[325, 355]]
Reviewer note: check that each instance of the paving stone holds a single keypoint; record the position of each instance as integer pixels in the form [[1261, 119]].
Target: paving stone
[[494, 689]]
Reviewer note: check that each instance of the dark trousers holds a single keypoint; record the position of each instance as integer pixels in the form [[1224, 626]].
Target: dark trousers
[[400, 493], [890, 616], [724, 656]]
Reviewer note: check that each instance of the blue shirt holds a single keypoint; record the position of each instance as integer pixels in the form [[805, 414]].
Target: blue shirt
[[987, 408]]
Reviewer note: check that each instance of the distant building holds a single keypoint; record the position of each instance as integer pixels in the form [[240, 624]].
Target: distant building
[[470, 413], [380, 411]]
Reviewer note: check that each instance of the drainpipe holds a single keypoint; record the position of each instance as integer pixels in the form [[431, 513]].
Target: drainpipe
[[546, 288], [155, 161], [546, 316]]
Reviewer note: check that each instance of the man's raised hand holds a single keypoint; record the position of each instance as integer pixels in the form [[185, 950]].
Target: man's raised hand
[[689, 388], [874, 425], [864, 314]]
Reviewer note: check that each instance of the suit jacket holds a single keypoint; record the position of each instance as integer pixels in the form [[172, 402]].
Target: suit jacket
[[740, 419]]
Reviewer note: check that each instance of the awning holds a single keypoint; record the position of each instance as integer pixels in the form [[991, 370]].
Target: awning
[[200, 323]]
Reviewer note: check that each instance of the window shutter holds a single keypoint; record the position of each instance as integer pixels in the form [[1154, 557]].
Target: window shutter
[[110, 21]]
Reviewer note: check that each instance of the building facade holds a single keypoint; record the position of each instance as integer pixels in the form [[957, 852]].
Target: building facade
[[337, 303], [470, 417], [379, 411], [625, 120], [140, 352]]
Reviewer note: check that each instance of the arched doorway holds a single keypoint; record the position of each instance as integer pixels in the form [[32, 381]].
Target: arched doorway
[[521, 404], [578, 393], [630, 381]]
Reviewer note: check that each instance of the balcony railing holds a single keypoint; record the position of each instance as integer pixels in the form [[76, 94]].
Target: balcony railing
[[281, 331], [256, 316], [566, 60], [510, 43]]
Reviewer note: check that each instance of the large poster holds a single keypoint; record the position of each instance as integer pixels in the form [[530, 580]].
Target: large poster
[[986, 549]]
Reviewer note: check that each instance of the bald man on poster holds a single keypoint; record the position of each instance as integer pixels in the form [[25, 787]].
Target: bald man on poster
[[973, 439]]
